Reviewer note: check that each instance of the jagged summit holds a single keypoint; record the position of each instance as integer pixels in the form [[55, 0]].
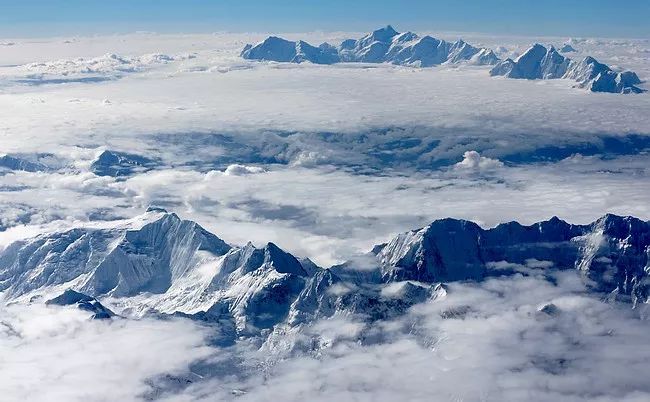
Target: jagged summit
[[160, 263], [613, 250], [567, 48], [282, 50], [118, 164], [83, 302], [384, 45], [538, 62], [384, 34]]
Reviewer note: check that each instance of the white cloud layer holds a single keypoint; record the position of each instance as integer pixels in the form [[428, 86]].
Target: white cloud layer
[[539, 337], [58, 354]]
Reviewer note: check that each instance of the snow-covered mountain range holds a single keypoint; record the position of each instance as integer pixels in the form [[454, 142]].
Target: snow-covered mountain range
[[158, 263], [539, 62], [386, 45]]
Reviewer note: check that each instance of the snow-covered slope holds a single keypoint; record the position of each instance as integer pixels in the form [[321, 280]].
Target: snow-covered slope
[[159, 264], [282, 50], [614, 251], [116, 164], [17, 163], [538, 62], [384, 45], [145, 254]]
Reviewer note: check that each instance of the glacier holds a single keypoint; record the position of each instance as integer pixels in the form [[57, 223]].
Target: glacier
[[384, 45], [159, 264], [539, 62]]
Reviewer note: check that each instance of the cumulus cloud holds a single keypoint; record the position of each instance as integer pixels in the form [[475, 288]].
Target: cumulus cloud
[[242, 170], [308, 158], [474, 161]]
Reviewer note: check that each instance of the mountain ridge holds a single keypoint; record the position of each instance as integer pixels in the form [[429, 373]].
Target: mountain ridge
[[539, 62], [386, 45], [380, 46], [158, 263]]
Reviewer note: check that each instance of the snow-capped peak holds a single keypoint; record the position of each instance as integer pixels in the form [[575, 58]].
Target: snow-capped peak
[[379, 46], [538, 62]]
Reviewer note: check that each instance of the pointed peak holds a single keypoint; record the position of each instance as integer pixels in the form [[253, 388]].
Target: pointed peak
[[389, 29], [69, 297], [535, 48], [609, 217], [554, 219], [589, 60], [619, 226], [553, 51], [282, 261], [152, 208], [447, 224], [158, 214], [384, 34]]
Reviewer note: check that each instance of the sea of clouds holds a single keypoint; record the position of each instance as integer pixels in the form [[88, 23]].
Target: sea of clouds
[[537, 336], [325, 162]]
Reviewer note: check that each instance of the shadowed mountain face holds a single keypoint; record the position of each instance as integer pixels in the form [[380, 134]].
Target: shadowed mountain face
[[83, 302], [117, 164], [614, 251], [157, 263]]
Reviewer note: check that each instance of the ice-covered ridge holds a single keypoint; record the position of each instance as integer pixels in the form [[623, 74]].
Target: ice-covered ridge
[[384, 45], [539, 62], [282, 50], [614, 251], [158, 263]]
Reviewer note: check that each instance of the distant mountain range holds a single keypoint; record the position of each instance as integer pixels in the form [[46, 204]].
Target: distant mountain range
[[159, 264], [386, 45], [538, 62]]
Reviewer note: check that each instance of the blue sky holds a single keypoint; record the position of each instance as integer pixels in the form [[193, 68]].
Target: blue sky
[[547, 17]]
